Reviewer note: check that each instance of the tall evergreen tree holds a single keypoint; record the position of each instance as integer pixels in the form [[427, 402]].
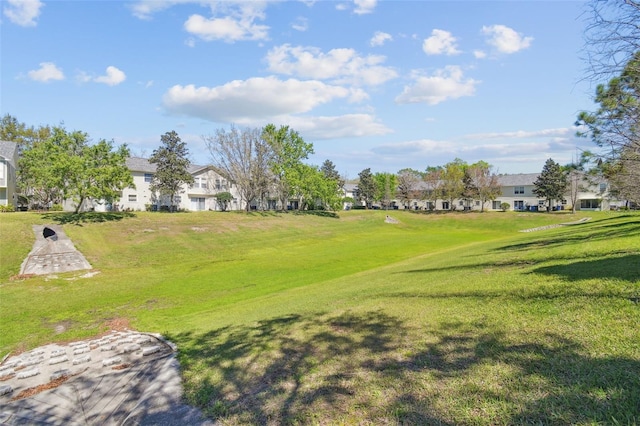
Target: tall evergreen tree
[[366, 187], [172, 166], [469, 189], [552, 183]]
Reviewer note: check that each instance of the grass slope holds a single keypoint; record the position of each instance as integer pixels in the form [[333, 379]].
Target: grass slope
[[303, 319]]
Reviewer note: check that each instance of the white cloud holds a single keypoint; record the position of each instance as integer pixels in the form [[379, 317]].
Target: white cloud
[[143, 9], [252, 99], [48, 71], [379, 38], [505, 39], [364, 6], [519, 150], [228, 29], [258, 101], [440, 42], [446, 83], [342, 126], [113, 77], [300, 24], [238, 22], [479, 54], [23, 12], [340, 65], [522, 134]]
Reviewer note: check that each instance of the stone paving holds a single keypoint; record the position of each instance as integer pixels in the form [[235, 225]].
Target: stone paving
[[52, 254], [124, 377]]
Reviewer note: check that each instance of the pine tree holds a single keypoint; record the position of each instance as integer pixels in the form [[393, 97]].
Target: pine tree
[[366, 187], [172, 166], [552, 183]]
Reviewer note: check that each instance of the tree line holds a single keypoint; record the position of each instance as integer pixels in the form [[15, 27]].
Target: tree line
[[267, 167], [456, 180]]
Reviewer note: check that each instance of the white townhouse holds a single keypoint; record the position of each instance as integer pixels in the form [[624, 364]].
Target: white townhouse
[[8, 164], [517, 191], [199, 196]]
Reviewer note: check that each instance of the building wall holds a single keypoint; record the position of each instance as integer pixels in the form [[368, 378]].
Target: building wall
[[199, 196], [7, 182]]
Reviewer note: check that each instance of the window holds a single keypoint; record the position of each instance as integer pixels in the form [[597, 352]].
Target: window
[[197, 203], [133, 198], [518, 189], [445, 205], [603, 187], [590, 204], [495, 205], [564, 202], [518, 205], [148, 177], [541, 203], [200, 182], [477, 203]]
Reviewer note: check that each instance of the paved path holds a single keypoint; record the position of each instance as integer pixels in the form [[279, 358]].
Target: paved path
[[53, 254], [122, 378]]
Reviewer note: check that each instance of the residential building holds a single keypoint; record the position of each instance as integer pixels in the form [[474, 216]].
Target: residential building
[[199, 196], [8, 166], [517, 191]]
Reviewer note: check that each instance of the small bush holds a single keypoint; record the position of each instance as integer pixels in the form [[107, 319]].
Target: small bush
[[7, 209], [505, 206], [56, 208]]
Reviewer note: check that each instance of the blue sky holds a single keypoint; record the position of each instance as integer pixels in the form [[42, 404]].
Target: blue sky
[[378, 84]]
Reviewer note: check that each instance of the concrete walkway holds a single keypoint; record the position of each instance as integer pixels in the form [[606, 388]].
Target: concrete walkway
[[52, 254]]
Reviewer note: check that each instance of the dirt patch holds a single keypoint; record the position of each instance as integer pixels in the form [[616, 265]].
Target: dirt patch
[[118, 324], [120, 367], [21, 277], [62, 326], [41, 388]]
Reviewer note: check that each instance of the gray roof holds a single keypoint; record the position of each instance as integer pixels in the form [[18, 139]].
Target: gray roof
[[8, 150], [350, 187], [138, 164], [522, 179]]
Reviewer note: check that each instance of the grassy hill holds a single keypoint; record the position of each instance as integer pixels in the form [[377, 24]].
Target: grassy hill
[[316, 319]]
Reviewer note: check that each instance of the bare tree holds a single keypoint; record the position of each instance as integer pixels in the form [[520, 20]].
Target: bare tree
[[433, 182], [613, 53], [235, 154], [612, 36], [408, 181], [486, 182]]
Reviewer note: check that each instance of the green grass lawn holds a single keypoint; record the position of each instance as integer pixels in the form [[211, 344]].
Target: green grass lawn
[[321, 319]]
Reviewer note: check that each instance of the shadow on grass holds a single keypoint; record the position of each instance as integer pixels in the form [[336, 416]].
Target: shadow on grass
[[600, 230], [372, 368], [63, 218], [621, 264], [625, 268], [320, 213]]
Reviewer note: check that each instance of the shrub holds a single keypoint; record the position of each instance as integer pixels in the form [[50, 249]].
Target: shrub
[[505, 206], [56, 208], [7, 209]]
